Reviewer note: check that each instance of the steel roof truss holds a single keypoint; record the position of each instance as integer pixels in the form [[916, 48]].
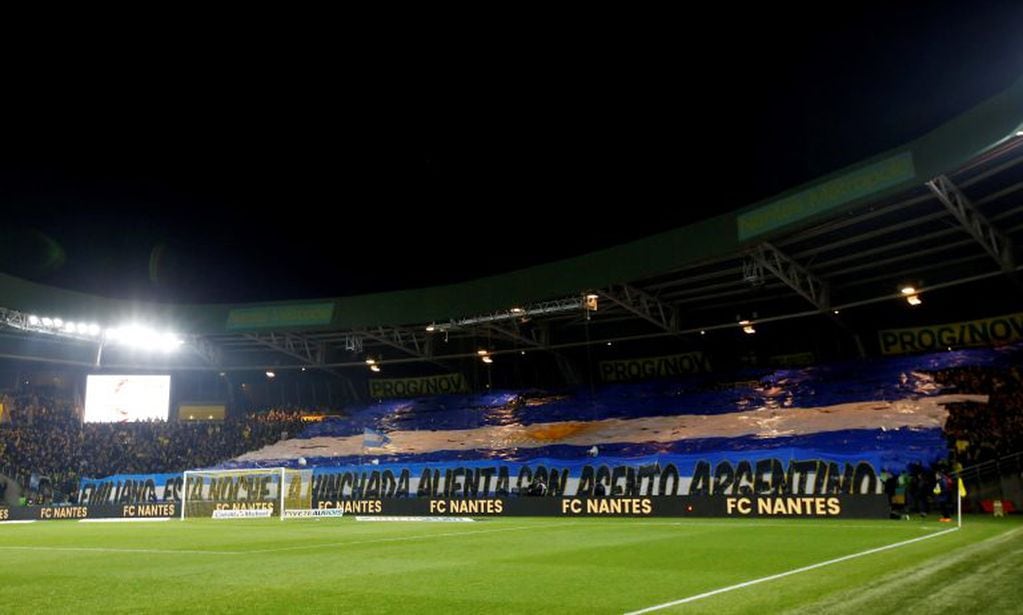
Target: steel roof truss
[[994, 241], [797, 277]]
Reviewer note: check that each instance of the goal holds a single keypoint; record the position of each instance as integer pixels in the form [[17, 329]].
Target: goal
[[276, 490]]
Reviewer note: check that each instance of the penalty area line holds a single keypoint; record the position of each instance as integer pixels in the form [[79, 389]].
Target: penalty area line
[[787, 573]]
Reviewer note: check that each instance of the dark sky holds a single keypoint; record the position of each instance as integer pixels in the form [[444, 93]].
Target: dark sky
[[274, 167]]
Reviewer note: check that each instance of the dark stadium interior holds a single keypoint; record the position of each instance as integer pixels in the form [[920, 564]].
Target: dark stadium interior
[[771, 276]]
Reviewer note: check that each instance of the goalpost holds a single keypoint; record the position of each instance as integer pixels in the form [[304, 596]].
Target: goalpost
[[259, 492]]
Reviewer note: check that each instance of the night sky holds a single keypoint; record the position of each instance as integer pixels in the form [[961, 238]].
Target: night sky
[[273, 168]]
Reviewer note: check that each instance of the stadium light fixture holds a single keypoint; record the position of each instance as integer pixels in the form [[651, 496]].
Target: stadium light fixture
[[132, 335], [519, 312], [374, 368], [912, 295], [142, 338], [271, 375], [488, 359]]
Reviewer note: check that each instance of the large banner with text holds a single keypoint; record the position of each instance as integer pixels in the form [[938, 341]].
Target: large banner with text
[[750, 476], [993, 331], [837, 506]]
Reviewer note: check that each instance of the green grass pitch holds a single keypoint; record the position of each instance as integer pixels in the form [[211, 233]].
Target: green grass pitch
[[508, 565]]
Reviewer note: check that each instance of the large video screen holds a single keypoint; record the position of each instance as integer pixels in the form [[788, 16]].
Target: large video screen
[[122, 399]]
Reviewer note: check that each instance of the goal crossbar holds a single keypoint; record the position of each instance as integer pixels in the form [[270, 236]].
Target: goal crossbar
[[274, 489]]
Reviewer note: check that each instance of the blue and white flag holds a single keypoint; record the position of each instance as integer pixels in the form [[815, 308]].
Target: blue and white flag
[[888, 413], [371, 438]]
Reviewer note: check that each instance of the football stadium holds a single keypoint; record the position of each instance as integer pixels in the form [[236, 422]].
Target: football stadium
[[813, 403]]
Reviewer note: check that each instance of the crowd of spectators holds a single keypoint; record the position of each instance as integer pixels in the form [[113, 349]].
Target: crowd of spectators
[[980, 432], [46, 447]]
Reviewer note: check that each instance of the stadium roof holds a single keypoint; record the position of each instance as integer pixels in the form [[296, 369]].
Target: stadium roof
[[941, 211], [207, 190]]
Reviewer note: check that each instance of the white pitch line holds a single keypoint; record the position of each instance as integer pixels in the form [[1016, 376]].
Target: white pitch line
[[124, 520], [565, 523], [282, 549], [780, 575], [116, 550], [692, 523]]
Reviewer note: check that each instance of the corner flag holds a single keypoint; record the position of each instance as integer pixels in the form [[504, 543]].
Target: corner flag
[[962, 489], [372, 438]]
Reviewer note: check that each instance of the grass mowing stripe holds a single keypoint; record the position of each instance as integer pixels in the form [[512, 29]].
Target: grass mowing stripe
[[408, 538], [942, 584], [787, 573], [399, 539]]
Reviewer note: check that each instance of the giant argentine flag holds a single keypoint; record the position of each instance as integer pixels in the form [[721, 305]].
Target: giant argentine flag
[[891, 410], [371, 438]]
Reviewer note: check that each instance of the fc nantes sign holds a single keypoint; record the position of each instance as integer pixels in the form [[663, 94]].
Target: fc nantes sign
[[989, 331], [654, 367], [415, 387]]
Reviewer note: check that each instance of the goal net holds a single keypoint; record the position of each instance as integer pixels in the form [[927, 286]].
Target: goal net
[[215, 493]]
